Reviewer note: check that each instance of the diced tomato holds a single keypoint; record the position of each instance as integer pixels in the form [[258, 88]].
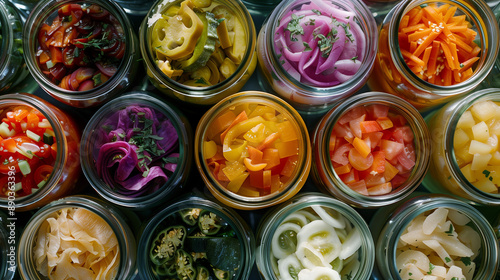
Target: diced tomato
[[370, 126], [359, 187], [404, 133], [350, 177], [341, 153], [359, 162], [355, 126], [391, 149], [385, 123], [376, 111], [342, 131], [398, 120], [399, 180], [381, 189], [352, 114], [404, 158], [375, 138]]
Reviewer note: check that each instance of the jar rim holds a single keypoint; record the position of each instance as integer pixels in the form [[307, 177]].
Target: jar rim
[[184, 139], [400, 218], [243, 232], [487, 33], [45, 9], [294, 184], [463, 105], [192, 91], [61, 157], [277, 215], [323, 162], [367, 24], [112, 217]]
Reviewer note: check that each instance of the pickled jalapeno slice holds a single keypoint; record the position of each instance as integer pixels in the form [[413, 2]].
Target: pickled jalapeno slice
[[207, 248], [166, 243], [198, 43]]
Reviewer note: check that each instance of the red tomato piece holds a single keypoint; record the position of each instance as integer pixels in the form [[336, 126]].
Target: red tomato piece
[[376, 111], [391, 149], [355, 126], [341, 153], [370, 126], [352, 114], [359, 187], [358, 161]]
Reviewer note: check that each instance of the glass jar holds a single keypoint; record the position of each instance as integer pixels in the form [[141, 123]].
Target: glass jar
[[7, 248], [65, 150], [231, 246], [492, 80], [109, 126], [259, 194], [393, 75], [12, 67], [330, 182], [301, 212], [110, 215], [387, 227], [281, 77], [118, 78], [196, 89], [445, 174]]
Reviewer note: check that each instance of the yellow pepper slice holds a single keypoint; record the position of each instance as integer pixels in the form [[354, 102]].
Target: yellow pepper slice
[[234, 132], [176, 37]]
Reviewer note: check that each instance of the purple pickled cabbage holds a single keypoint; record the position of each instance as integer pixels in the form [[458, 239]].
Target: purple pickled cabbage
[[137, 151]]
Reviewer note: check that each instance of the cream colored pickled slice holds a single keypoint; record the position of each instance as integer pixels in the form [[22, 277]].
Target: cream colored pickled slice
[[440, 251], [333, 218], [434, 220], [458, 218], [351, 267], [281, 244], [289, 267], [351, 244], [296, 218], [410, 271], [319, 273], [318, 240], [95, 226], [411, 256]]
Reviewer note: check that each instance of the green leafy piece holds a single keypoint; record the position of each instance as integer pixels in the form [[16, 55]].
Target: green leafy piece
[[307, 47], [316, 12], [294, 27], [466, 260], [431, 267], [450, 230]]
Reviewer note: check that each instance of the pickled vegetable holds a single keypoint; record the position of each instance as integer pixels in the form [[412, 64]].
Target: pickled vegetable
[[252, 149], [438, 243], [325, 247], [75, 243], [137, 151], [372, 149], [81, 49], [437, 44], [197, 42], [475, 144], [28, 151], [320, 44], [198, 244]]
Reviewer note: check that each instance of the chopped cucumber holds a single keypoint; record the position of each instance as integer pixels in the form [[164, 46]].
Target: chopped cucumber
[[41, 184], [18, 187], [5, 131], [48, 139], [24, 166], [33, 135]]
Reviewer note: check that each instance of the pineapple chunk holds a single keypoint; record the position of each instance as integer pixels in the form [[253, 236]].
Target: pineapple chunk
[[495, 127], [466, 120], [493, 142], [481, 132], [484, 110], [463, 156], [467, 172], [495, 160], [461, 138], [477, 147], [479, 162], [486, 185]]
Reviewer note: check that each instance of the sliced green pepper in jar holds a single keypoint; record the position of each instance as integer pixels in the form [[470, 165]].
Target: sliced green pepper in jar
[[184, 265], [190, 215], [166, 269], [209, 223], [166, 243]]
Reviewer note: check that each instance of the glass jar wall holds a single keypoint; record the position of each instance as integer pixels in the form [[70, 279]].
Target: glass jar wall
[[457, 221], [136, 151], [8, 265], [91, 221], [252, 150], [300, 72], [81, 52], [427, 84], [12, 66], [340, 170], [40, 152], [198, 70], [453, 151]]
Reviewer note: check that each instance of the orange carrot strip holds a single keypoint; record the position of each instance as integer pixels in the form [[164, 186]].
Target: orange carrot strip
[[416, 18], [431, 66], [447, 76], [447, 54], [418, 35], [427, 54], [427, 42], [453, 50], [413, 57], [467, 74], [444, 38], [443, 8], [449, 13], [457, 28], [413, 46], [404, 22], [468, 64], [412, 28], [457, 76], [462, 44], [458, 20], [475, 51]]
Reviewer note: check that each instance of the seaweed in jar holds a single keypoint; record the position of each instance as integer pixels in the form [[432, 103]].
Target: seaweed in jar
[[197, 244]]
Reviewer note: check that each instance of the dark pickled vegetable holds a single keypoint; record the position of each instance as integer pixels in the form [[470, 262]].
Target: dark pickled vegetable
[[208, 249], [166, 243]]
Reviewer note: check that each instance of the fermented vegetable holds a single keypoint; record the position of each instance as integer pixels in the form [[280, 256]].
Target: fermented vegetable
[[197, 43], [137, 150], [320, 44]]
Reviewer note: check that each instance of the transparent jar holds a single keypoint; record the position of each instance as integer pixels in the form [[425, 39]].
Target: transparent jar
[[282, 78], [387, 227], [8, 247], [97, 134], [302, 209], [239, 255], [66, 170], [330, 182], [12, 66], [445, 175], [492, 80], [391, 73], [112, 216], [197, 90], [249, 197], [121, 75]]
